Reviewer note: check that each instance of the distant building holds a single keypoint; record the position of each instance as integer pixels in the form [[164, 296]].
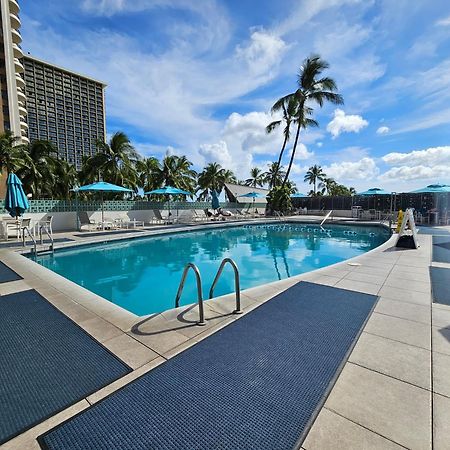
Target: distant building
[[65, 108], [13, 112]]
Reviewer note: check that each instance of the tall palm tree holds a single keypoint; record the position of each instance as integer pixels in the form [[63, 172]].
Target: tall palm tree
[[213, 177], [66, 178], [257, 178], [311, 89], [313, 175], [114, 162], [13, 156], [147, 169], [289, 108], [328, 185], [274, 174], [176, 171]]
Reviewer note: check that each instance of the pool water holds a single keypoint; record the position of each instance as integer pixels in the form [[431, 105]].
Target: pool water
[[142, 275]]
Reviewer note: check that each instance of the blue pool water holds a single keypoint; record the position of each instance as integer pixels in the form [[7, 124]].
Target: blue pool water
[[142, 275]]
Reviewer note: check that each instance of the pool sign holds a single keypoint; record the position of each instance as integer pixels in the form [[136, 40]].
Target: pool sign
[[407, 235]]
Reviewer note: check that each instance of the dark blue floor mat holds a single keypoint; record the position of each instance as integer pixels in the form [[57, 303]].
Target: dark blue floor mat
[[440, 285], [7, 274], [441, 249], [255, 384], [47, 362]]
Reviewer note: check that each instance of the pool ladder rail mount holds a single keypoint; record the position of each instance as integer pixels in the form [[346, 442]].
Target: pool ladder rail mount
[[26, 230], [198, 279]]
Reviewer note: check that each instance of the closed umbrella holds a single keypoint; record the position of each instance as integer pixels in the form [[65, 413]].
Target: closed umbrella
[[16, 202], [102, 186], [215, 199], [253, 195], [168, 190]]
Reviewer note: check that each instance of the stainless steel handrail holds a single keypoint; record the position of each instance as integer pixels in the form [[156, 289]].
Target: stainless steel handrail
[[44, 227], [199, 291], [26, 229], [237, 286], [326, 217]]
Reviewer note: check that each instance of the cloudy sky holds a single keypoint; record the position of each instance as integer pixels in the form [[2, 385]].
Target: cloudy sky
[[199, 78]]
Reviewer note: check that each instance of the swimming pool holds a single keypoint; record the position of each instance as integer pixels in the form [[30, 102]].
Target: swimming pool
[[142, 275]]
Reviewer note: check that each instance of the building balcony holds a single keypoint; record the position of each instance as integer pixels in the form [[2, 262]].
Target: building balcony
[[25, 139], [23, 126], [20, 82], [14, 7], [16, 36], [15, 21], [21, 96], [22, 110], [18, 53], [18, 66]]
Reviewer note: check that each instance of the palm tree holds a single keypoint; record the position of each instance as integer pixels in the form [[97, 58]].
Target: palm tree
[[147, 169], [39, 176], [328, 185], [176, 171], [289, 108], [213, 177], [274, 175], [66, 176], [314, 174], [313, 89], [257, 178], [13, 156], [115, 162]]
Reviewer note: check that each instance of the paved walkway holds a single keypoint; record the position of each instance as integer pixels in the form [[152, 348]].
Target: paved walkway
[[394, 391]]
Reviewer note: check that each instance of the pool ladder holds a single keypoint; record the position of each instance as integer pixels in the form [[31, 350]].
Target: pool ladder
[[198, 279]]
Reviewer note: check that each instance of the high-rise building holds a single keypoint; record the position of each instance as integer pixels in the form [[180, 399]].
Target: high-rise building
[[13, 112], [65, 108]]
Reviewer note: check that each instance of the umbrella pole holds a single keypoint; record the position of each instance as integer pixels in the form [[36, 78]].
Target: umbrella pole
[[103, 214]]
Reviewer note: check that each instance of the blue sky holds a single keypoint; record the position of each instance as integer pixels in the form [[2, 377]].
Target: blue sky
[[199, 78]]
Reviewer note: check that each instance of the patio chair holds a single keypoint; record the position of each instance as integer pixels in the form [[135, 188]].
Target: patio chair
[[160, 218], [200, 215], [85, 221]]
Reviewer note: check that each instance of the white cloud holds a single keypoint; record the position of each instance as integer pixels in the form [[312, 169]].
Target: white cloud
[[319, 144], [217, 153], [444, 22], [431, 157], [343, 123], [363, 169], [383, 130], [406, 173]]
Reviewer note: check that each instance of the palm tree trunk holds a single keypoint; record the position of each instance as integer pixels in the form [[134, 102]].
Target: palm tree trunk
[[294, 148], [277, 169]]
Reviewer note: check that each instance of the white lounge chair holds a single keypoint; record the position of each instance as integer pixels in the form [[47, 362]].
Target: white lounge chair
[[85, 221], [124, 221]]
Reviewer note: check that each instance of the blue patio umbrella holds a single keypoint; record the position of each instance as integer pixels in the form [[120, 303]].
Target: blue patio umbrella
[[168, 190], [102, 186], [375, 191], [299, 195], [433, 188], [253, 195], [215, 199], [16, 202]]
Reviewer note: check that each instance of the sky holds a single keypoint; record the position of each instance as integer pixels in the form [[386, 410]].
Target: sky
[[198, 78]]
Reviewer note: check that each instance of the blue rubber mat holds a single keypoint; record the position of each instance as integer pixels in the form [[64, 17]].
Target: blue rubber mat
[[47, 362], [441, 249], [7, 274], [255, 384], [440, 282]]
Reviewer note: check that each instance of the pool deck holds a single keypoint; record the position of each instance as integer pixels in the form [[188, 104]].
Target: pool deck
[[393, 392]]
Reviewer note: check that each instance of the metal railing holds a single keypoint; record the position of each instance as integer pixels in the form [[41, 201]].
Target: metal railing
[[26, 230], [237, 286], [326, 217], [44, 227], [199, 291]]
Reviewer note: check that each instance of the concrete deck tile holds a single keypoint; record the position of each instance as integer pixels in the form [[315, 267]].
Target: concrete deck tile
[[404, 310], [366, 278], [326, 280], [336, 273], [100, 329], [161, 342], [413, 261], [27, 440], [332, 431], [130, 351], [14, 286], [107, 390], [394, 409], [263, 293], [407, 276], [441, 374], [441, 422], [406, 331], [359, 286], [384, 272], [411, 285], [402, 294], [441, 340], [441, 317], [411, 273], [402, 361]]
